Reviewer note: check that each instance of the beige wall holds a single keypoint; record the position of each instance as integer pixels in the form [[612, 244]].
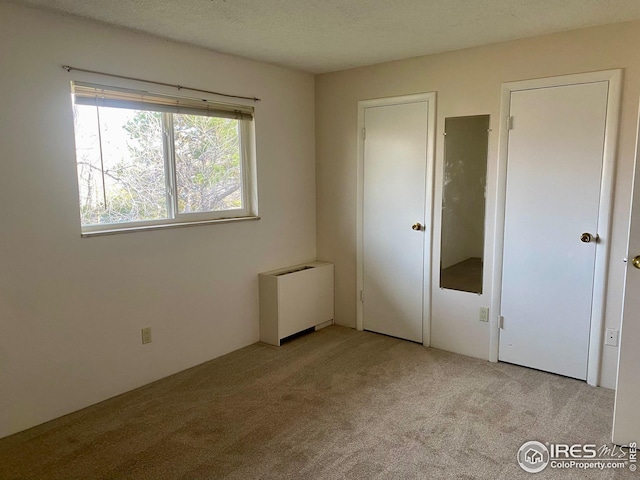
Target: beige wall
[[71, 309], [467, 82]]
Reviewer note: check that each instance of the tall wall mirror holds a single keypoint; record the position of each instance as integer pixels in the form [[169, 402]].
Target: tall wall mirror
[[463, 202]]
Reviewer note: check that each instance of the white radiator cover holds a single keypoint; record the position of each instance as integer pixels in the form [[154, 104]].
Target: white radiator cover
[[294, 299]]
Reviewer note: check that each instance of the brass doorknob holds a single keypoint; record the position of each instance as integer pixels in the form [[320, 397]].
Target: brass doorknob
[[587, 237], [636, 261], [416, 226]]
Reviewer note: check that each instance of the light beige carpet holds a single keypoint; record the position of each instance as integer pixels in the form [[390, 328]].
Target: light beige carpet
[[335, 404]]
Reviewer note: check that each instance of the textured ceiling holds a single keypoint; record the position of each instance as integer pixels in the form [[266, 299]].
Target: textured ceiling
[[327, 35]]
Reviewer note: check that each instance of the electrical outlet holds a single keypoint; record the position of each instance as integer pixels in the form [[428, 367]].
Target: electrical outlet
[[611, 337], [146, 335], [484, 314]]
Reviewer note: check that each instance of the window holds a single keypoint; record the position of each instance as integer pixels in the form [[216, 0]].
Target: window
[[147, 160]]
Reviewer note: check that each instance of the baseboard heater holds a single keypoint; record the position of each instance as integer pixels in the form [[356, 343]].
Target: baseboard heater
[[294, 299]]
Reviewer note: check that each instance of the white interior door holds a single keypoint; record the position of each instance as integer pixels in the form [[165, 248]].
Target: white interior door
[[395, 167], [626, 422], [554, 172]]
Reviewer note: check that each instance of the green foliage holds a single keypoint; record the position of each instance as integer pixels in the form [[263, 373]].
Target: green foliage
[[207, 169], [207, 163]]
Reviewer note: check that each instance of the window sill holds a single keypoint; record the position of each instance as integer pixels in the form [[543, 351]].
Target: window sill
[[144, 228]]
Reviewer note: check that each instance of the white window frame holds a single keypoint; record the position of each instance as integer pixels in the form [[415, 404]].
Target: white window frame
[[174, 217]]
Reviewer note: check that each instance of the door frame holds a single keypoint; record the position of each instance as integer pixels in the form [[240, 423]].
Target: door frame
[[430, 98], [605, 210]]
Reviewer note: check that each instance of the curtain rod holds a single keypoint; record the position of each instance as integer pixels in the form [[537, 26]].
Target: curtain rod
[[179, 87]]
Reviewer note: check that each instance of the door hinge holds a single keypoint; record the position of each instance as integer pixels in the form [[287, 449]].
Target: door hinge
[[364, 134], [362, 296], [510, 123], [501, 322]]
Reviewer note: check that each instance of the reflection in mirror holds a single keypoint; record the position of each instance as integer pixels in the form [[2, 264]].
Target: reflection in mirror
[[463, 202]]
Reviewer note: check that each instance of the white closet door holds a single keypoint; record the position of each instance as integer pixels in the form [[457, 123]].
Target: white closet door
[[395, 161], [554, 174], [626, 423]]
